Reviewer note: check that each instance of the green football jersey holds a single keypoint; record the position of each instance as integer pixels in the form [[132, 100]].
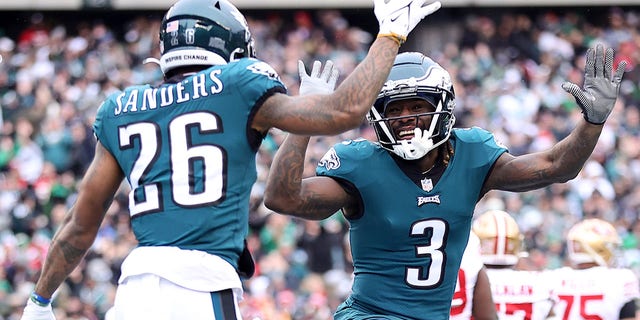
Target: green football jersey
[[408, 244], [188, 152]]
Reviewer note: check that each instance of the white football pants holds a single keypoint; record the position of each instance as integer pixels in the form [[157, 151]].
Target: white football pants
[[149, 296]]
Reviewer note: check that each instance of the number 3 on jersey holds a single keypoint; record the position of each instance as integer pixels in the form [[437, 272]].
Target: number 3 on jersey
[[435, 231], [184, 157]]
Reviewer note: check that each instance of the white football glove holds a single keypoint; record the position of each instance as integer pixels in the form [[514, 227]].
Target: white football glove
[[33, 311], [398, 17], [318, 82], [601, 87]]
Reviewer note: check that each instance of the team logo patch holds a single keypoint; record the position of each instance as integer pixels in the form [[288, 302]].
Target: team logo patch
[[431, 199], [264, 69], [330, 160]]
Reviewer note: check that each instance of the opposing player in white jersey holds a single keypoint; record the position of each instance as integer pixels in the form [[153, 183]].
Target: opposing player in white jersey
[[517, 294], [472, 298], [593, 288]]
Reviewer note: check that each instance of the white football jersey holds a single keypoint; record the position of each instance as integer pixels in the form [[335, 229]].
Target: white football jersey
[[593, 293], [462, 302], [521, 294]]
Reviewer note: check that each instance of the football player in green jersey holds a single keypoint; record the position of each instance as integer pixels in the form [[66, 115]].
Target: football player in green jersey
[[410, 197]]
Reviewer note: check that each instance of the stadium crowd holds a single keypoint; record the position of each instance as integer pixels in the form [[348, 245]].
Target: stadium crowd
[[507, 70]]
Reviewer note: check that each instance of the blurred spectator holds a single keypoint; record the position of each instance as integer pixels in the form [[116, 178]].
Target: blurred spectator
[[54, 73], [29, 160]]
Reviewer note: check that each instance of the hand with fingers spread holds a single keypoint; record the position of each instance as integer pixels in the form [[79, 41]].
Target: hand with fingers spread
[[601, 85], [398, 17], [320, 81]]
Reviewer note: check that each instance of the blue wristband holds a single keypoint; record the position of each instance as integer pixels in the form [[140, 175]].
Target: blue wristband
[[39, 300]]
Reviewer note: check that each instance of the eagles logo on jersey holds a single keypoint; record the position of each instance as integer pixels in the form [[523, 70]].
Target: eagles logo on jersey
[[500, 238], [264, 68], [592, 241], [330, 160]]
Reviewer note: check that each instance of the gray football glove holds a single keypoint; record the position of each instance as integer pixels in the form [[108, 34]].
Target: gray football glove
[[600, 89]]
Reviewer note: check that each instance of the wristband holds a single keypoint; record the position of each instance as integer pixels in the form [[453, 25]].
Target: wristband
[[395, 37], [39, 300]]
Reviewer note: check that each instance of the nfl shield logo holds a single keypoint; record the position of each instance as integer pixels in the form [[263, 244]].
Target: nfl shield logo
[[427, 184]]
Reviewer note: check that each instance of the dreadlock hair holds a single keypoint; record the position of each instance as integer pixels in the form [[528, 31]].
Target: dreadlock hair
[[446, 150]]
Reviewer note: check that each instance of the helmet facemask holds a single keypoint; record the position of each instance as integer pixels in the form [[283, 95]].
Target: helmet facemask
[[438, 131]]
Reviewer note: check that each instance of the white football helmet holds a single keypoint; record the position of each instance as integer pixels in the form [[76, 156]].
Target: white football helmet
[[415, 75], [500, 238], [592, 241]]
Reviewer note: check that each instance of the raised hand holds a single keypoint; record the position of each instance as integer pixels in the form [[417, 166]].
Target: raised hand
[[320, 81], [600, 92], [398, 17]]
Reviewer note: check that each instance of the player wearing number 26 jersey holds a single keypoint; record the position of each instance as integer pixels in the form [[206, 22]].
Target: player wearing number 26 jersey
[[185, 145], [189, 155]]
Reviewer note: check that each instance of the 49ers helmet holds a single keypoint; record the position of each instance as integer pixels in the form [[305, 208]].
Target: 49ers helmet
[[203, 32], [500, 238], [592, 241]]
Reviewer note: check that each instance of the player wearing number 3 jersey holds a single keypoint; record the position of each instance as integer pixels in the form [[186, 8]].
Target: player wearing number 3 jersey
[[187, 148], [428, 230], [410, 196]]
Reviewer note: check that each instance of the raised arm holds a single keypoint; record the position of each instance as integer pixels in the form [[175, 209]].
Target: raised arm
[[345, 108], [563, 161], [314, 198], [79, 227]]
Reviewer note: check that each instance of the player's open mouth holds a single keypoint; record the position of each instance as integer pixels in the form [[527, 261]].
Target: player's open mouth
[[405, 134]]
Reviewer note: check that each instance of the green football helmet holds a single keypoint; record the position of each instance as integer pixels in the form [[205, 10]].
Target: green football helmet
[[415, 75], [203, 32]]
